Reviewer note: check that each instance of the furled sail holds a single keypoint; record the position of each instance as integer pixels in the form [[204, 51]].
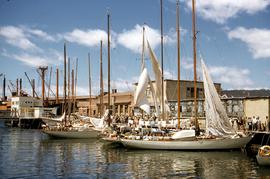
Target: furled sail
[[158, 78], [140, 98], [217, 121]]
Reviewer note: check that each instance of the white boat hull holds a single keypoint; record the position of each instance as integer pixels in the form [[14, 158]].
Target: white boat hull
[[86, 134], [200, 144], [263, 160]]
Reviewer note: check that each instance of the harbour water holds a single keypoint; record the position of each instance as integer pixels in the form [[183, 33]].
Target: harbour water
[[28, 153]]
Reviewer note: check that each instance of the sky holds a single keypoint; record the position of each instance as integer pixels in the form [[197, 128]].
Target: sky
[[233, 38]]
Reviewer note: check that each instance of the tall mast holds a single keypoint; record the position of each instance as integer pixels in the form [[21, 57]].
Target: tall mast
[[143, 63], [109, 63], [57, 85], [90, 88], [4, 88], [178, 65], [65, 81], [43, 69], [101, 81], [75, 90], [72, 89], [194, 63], [69, 110], [162, 70], [49, 85], [33, 87], [17, 87]]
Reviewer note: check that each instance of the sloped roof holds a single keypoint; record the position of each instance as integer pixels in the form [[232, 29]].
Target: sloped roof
[[245, 93]]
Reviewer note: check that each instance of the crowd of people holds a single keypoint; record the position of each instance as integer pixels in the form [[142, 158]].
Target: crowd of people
[[239, 123], [251, 123]]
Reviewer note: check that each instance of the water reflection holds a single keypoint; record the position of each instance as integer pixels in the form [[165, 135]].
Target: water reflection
[[31, 154]]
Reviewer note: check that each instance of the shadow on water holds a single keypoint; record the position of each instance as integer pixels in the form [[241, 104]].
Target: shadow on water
[[173, 164]]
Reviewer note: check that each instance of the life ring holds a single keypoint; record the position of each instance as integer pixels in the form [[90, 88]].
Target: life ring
[[264, 150]]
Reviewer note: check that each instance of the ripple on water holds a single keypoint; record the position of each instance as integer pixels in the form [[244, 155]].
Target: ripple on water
[[31, 154]]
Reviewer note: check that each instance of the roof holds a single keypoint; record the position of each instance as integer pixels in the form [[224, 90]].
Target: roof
[[245, 93]]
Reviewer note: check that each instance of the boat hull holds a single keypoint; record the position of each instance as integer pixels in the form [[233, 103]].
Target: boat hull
[[263, 160], [86, 134], [200, 144]]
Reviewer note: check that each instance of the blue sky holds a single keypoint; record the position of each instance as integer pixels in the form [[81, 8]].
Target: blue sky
[[233, 39]]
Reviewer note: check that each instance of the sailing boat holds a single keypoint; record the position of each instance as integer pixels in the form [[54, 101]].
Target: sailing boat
[[140, 98], [219, 133], [79, 127]]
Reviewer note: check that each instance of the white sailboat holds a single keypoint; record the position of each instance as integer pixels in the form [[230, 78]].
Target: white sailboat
[[78, 128], [81, 132], [219, 134]]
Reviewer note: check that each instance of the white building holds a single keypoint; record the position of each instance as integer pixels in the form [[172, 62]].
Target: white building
[[29, 107]]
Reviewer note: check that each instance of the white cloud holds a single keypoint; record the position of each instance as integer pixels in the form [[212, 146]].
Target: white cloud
[[132, 39], [258, 40], [52, 58], [82, 91], [169, 75], [231, 76], [88, 38], [220, 11], [40, 33], [187, 63], [16, 36]]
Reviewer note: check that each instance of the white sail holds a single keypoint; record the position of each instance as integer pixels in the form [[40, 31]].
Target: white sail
[[140, 98], [154, 97], [158, 78], [217, 122]]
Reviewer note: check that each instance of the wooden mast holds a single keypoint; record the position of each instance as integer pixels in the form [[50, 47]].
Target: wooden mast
[[109, 63], [162, 70], [101, 82], [90, 88], [69, 110], [33, 88], [142, 62], [194, 63], [57, 85], [65, 82], [178, 65], [49, 85], [72, 89], [75, 90]]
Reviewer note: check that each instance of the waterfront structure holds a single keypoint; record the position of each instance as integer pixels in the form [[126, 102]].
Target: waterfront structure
[[29, 107]]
